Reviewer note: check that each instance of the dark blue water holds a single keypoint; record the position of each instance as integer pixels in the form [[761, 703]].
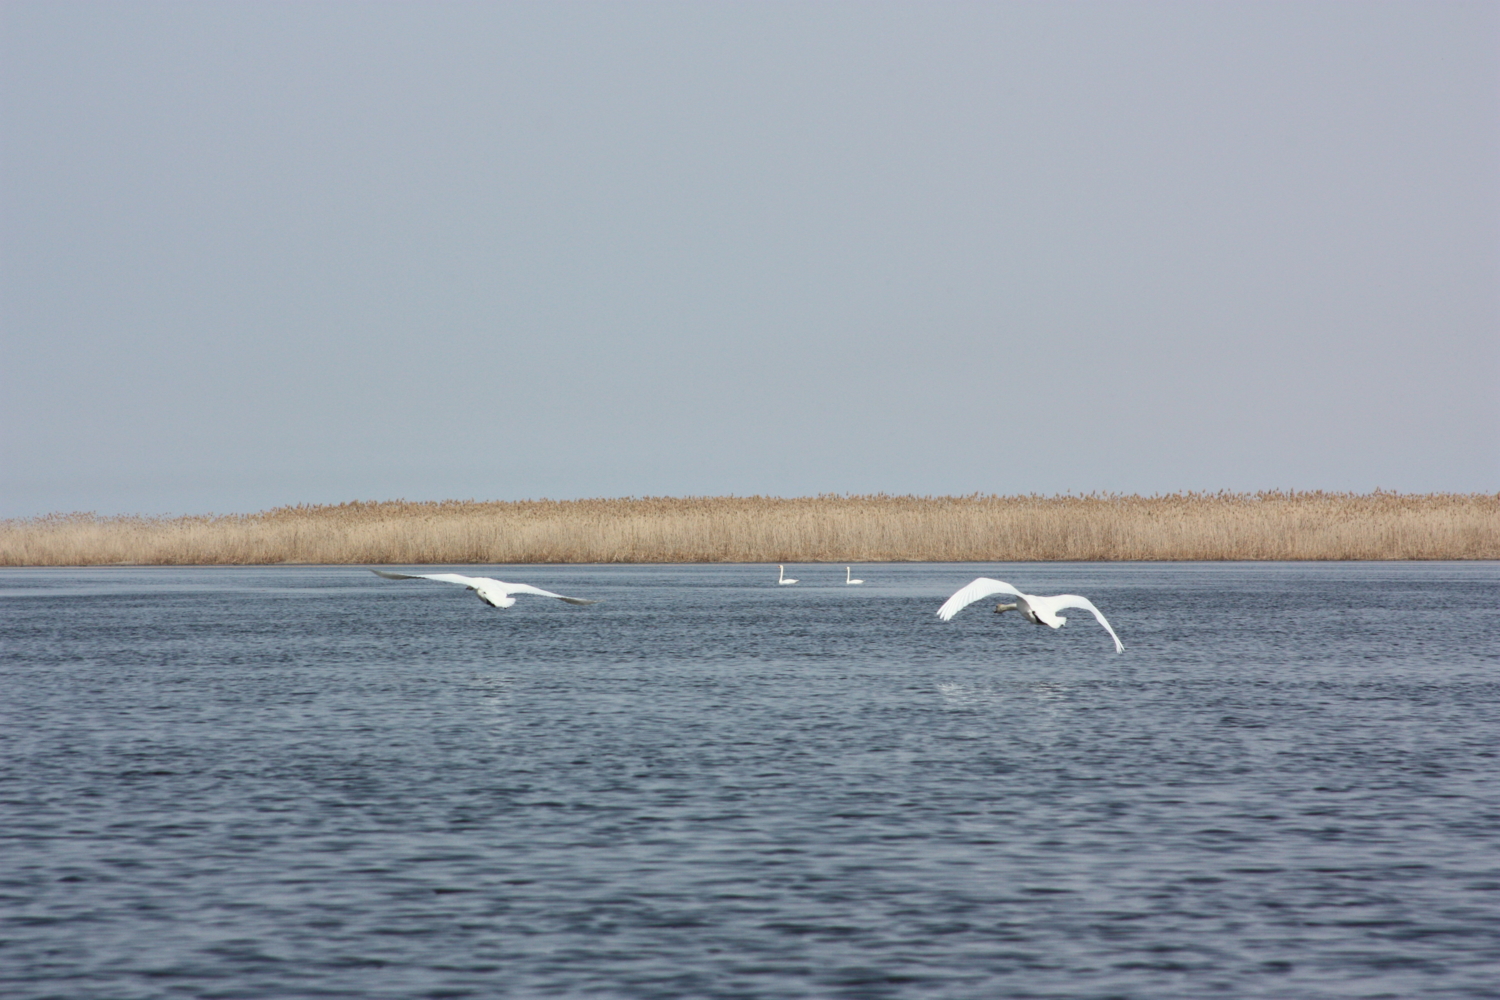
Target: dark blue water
[[312, 782]]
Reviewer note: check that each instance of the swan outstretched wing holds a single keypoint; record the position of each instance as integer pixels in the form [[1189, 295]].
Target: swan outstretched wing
[[463, 581], [526, 588], [1056, 604], [976, 591]]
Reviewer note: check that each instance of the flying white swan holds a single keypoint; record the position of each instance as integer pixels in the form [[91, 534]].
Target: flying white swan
[[784, 579], [492, 592], [1037, 610], [847, 573]]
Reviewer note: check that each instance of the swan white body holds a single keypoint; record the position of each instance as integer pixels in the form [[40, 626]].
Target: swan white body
[[783, 579], [495, 593], [847, 573], [1037, 610]]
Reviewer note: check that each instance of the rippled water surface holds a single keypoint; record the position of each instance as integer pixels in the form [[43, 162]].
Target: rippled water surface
[[311, 782]]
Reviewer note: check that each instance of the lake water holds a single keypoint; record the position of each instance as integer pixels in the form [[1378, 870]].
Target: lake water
[[311, 782]]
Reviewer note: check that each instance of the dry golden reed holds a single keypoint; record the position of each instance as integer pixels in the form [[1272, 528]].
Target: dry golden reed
[[830, 528]]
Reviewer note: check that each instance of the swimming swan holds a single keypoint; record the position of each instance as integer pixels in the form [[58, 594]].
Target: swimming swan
[[784, 579], [847, 572], [1037, 610], [492, 592]]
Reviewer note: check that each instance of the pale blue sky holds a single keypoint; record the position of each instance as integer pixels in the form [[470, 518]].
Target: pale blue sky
[[274, 253]]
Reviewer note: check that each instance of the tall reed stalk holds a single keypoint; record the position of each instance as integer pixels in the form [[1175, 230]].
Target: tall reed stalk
[[878, 528]]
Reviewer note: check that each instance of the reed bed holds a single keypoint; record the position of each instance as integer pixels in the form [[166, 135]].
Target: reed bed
[[879, 528]]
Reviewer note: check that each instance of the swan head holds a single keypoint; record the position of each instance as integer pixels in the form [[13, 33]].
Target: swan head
[[495, 598]]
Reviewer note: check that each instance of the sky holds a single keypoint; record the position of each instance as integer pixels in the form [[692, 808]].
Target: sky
[[259, 254]]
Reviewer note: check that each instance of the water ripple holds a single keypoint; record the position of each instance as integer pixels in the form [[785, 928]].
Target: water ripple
[[309, 782]]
